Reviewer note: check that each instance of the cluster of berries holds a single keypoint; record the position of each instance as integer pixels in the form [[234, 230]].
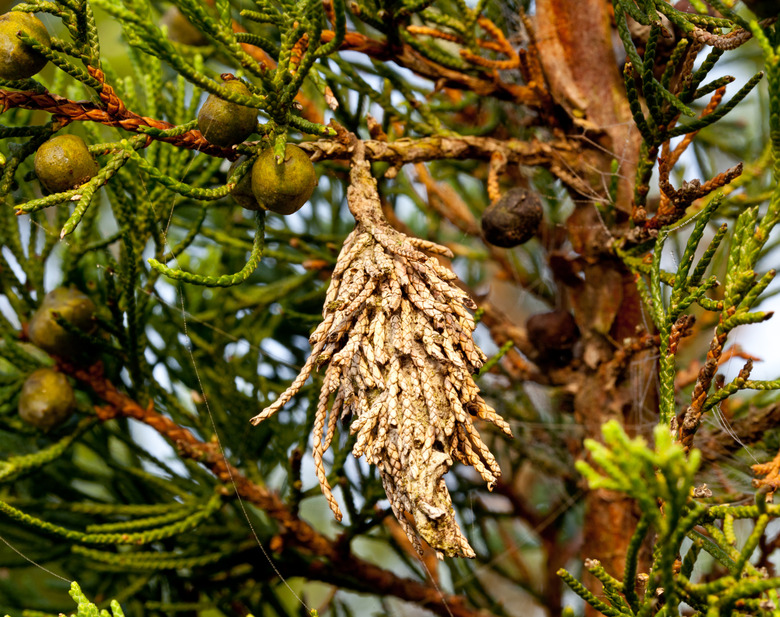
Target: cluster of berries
[[47, 398], [65, 162]]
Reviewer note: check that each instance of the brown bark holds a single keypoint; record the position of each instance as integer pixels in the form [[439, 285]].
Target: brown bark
[[575, 42]]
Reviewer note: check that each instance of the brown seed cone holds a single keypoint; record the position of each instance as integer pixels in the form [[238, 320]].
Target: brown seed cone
[[225, 123], [17, 60], [71, 305], [47, 399], [553, 330], [64, 162], [512, 220]]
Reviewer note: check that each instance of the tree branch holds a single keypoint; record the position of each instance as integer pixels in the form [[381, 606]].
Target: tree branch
[[343, 568], [560, 156]]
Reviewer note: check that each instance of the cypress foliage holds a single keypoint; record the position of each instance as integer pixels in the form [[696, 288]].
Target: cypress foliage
[[223, 373]]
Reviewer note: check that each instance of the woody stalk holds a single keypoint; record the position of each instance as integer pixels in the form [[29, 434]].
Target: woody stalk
[[396, 343]]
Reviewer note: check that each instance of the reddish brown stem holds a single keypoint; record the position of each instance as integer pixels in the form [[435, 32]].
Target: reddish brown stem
[[337, 564]]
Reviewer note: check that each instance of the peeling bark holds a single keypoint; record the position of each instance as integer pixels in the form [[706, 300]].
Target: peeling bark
[[584, 80]]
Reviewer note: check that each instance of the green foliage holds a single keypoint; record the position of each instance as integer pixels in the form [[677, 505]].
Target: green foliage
[[661, 479], [204, 310], [85, 608], [88, 609], [146, 239]]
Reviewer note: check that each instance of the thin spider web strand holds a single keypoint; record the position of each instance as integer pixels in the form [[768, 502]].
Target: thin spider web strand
[[32, 561]]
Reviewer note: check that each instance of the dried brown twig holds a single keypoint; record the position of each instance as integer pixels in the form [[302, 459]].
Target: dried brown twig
[[397, 343], [730, 40], [689, 421], [771, 473], [557, 155]]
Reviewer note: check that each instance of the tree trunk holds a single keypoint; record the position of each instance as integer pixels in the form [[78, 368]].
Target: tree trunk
[[585, 81]]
